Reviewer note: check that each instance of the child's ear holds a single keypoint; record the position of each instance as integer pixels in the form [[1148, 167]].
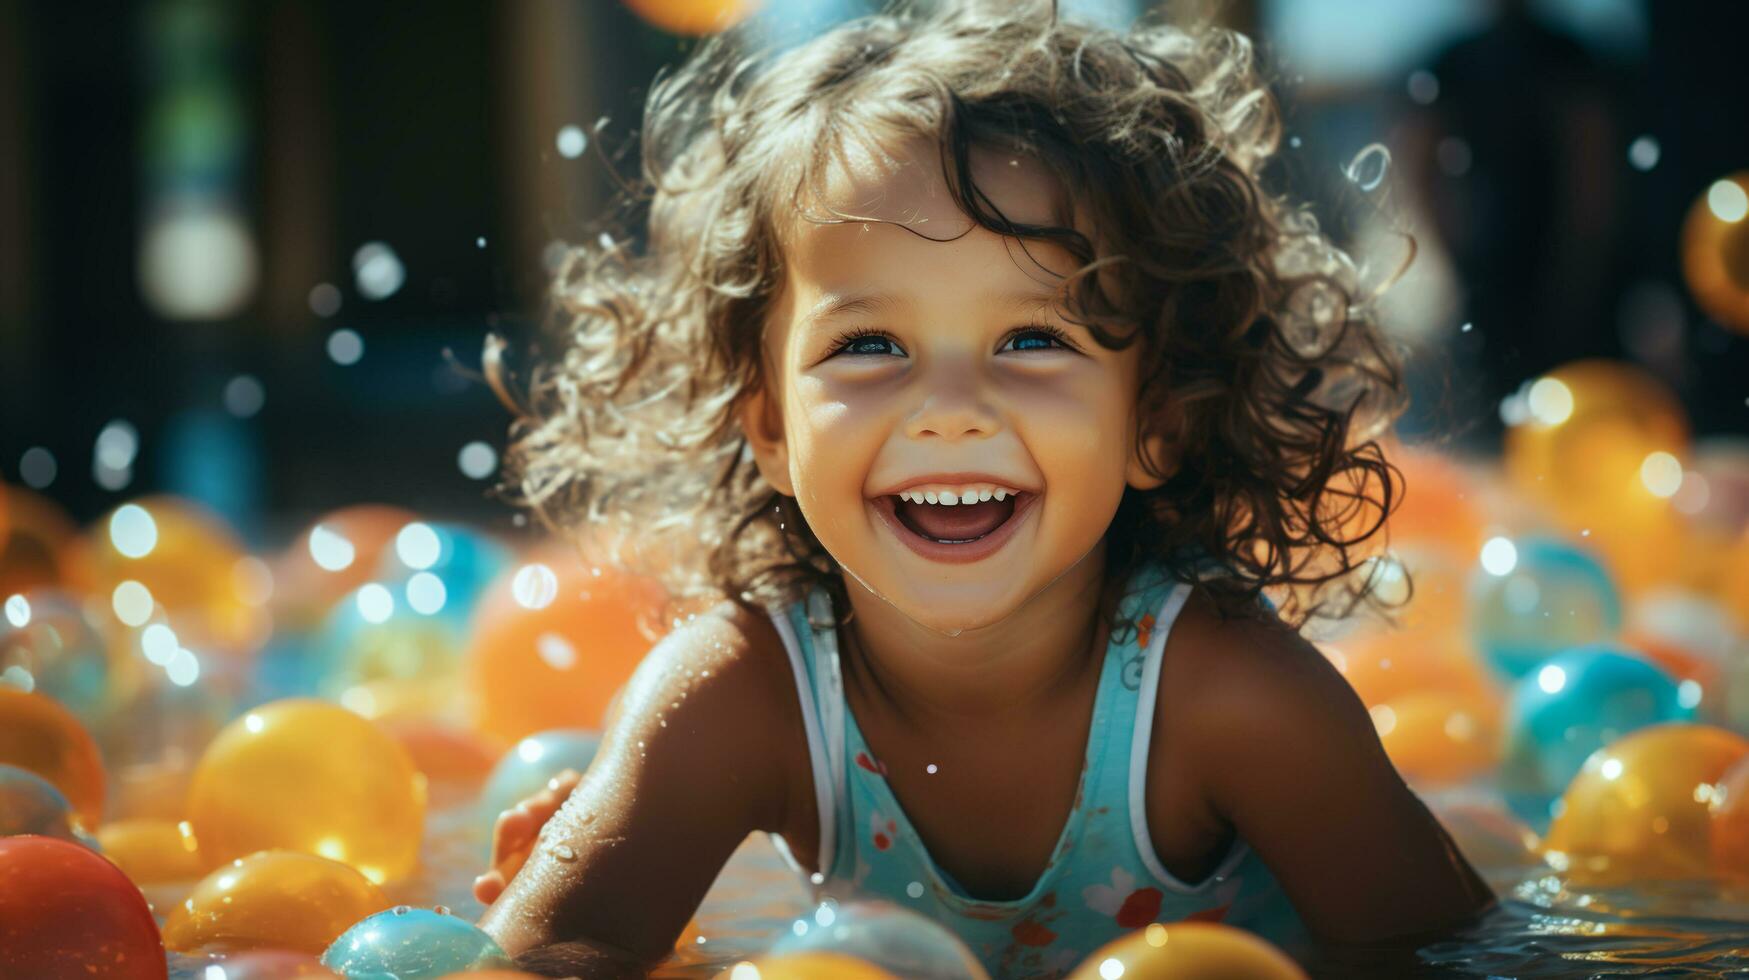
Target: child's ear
[[1161, 450], [762, 422]]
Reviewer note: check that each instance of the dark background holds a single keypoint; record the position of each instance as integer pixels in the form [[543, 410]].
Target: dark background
[[322, 126]]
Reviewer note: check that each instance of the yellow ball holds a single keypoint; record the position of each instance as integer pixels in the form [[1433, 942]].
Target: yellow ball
[[189, 561], [152, 851], [1189, 951], [1641, 806], [313, 777], [693, 16], [1602, 448], [1715, 251], [272, 900], [1436, 737], [815, 965]]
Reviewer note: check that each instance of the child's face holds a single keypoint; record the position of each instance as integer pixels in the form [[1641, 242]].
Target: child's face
[[954, 389]]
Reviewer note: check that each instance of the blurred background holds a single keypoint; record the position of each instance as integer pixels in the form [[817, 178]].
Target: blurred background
[[249, 252]]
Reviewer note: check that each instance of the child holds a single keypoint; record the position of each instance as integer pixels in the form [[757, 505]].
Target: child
[[973, 370]]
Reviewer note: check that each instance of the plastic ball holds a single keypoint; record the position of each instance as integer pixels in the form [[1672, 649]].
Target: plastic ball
[[272, 900], [66, 911], [553, 640], [1188, 951], [313, 777], [34, 554], [1438, 507], [449, 756], [189, 562], [889, 936], [524, 770], [812, 965], [1384, 665], [38, 734], [695, 17], [338, 553], [373, 642], [1435, 737], [1548, 597], [265, 964], [1714, 237], [30, 804], [413, 944], [1641, 807], [1591, 428], [49, 644], [1576, 703], [151, 852], [442, 570], [1730, 816]]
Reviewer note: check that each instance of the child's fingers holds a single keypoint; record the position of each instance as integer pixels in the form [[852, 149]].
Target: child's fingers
[[488, 887], [517, 827]]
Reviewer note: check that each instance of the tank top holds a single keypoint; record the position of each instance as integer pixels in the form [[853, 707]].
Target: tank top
[[1104, 878]]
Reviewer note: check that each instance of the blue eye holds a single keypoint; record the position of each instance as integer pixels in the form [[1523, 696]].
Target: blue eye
[[845, 342]]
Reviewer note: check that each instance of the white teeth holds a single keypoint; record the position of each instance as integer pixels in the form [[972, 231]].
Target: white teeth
[[953, 497]]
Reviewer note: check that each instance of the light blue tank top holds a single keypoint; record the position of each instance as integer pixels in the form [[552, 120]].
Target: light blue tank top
[[1104, 878]]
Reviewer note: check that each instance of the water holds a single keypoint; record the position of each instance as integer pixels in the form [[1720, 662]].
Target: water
[[1542, 928]]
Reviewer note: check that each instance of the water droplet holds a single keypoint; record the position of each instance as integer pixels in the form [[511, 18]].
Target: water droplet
[[403, 909], [1369, 166], [563, 852], [440, 909]]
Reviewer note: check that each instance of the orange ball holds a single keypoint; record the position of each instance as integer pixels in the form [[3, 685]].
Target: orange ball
[[1385, 665], [553, 640], [189, 560], [33, 554], [36, 733], [1439, 504], [152, 851], [1438, 737], [66, 912], [1715, 239], [445, 753], [1641, 808], [814, 965], [1189, 951], [1730, 816], [272, 900], [333, 556], [695, 17]]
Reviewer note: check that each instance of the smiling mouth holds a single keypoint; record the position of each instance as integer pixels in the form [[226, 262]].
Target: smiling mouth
[[953, 525]]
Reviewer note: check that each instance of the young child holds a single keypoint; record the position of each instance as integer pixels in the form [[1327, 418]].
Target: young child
[[969, 365]]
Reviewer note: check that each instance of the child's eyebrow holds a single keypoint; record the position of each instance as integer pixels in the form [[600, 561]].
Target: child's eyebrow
[[834, 305]]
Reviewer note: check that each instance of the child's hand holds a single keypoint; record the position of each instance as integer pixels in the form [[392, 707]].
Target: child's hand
[[514, 834]]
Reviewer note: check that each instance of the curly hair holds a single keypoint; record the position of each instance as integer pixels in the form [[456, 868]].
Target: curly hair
[[1262, 360]]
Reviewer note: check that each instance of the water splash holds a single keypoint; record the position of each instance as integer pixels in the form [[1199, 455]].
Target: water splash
[[1368, 168]]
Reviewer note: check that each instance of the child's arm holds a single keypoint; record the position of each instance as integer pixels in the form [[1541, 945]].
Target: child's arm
[[691, 765], [1288, 754]]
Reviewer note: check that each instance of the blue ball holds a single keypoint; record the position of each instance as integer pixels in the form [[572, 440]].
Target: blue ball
[[30, 804], [1572, 705], [1554, 597], [525, 769], [406, 943], [442, 570]]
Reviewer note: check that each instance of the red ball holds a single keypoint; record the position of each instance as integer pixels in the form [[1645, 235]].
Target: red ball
[[65, 911]]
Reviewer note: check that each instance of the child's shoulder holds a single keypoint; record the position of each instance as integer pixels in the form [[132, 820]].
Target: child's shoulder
[[734, 652], [1240, 689]]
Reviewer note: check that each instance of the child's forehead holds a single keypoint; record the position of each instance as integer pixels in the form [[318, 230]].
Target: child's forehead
[[904, 183]]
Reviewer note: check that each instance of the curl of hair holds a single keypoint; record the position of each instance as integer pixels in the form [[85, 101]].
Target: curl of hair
[[1262, 360]]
